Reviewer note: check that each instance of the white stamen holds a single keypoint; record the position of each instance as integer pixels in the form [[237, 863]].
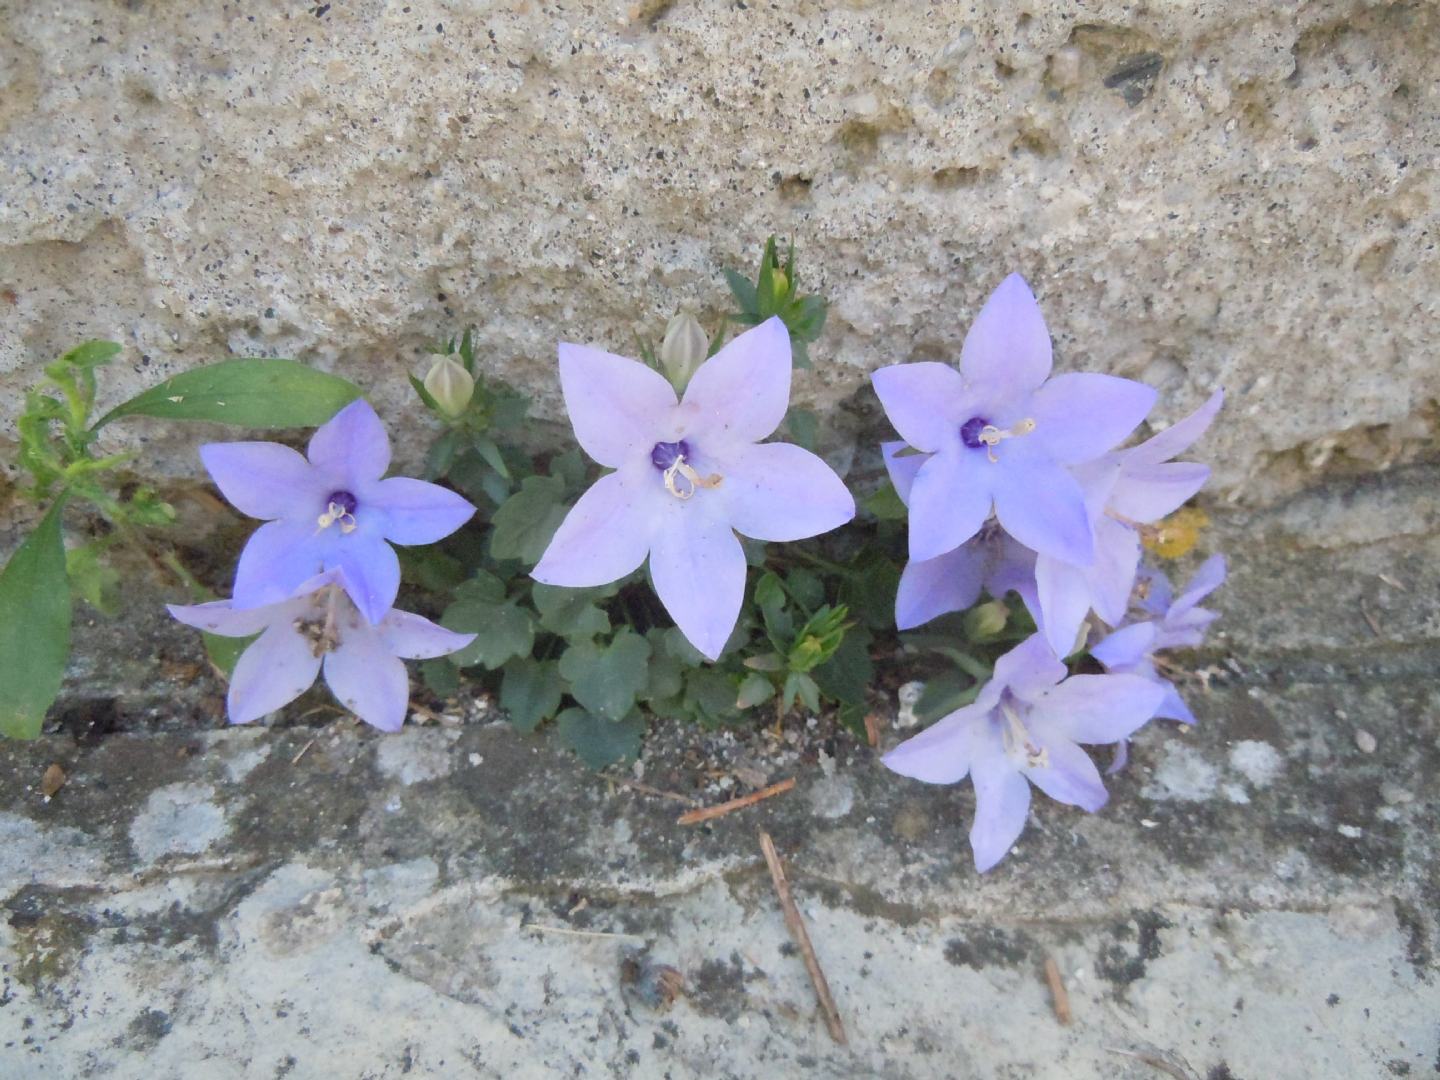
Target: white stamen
[[1016, 737], [991, 435], [335, 513], [695, 479]]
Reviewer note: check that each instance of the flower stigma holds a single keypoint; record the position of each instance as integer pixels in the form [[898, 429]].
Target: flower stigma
[[339, 509], [978, 431], [669, 458], [1016, 738]]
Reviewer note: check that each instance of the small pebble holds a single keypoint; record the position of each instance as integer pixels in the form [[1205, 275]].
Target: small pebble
[[1354, 832], [1394, 794], [1365, 741]]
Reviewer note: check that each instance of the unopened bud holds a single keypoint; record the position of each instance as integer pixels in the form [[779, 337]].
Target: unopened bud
[[683, 349], [450, 385], [985, 621]]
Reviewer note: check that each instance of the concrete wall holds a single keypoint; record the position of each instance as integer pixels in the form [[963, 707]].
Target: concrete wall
[[1201, 192]]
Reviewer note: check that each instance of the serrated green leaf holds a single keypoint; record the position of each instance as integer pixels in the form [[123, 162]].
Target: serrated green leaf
[[598, 741], [870, 592], [606, 679], [440, 676], [34, 628], [570, 468], [91, 354], [571, 613], [502, 631], [528, 519], [666, 675], [530, 692], [848, 673], [709, 695], [481, 586], [770, 599], [754, 690], [248, 393], [806, 587]]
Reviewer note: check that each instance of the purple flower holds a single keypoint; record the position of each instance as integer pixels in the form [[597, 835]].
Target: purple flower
[[1025, 727], [688, 476], [1000, 435], [1123, 491], [1179, 622], [319, 628], [991, 560], [332, 512]]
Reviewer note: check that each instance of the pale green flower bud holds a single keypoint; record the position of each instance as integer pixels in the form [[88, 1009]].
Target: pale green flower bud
[[683, 349], [985, 621], [450, 385]]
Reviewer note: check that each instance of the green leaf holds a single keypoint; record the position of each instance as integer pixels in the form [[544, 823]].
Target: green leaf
[[425, 395], [490, 454], [709, 695], [944, 694], [804, 427], [607, 679], [754, 690], [249, 393], [431, 569], [848, 673], [530, 692], [770, 599], [806, 587], [442, 455], [885, 503], [743, 290], [440, 676], [569, 467], [869, 593], [528, 519], [34, 628], [806, 317], [571, 613], [91, 354], [805, 688], [224, 652], [666, 674], [600, 742], [481, 586], [501, 631]]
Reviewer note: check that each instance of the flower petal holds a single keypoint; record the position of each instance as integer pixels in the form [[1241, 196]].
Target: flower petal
[[368, 680], [1070, 777], [617, 406], [941, 754], [1179, 436], [1029, 668], [1111, 577], [272, 672], [901, 467], [416, 512], [1064, 593], [935, 587], [264, 479], [698, 567], [370, 572], [1002, 802], [278, 558], [414, 637], [1042, 506], [743, 390], [923, 401], [1082, 414], [1172, 705], [1095, 708], [218, 617], [1007, 350], [1126, 646], [1207, 579], [606, 534], [352, 447], [1147, 493], [949, 502], [780, 492]]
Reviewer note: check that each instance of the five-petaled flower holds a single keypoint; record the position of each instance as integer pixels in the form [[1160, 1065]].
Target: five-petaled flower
[[999, 435], [318, 627], [689, 475], [330, 512], [1025, 727]]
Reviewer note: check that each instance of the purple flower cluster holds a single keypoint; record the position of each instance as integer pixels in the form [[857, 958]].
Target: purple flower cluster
[[1014, 483], [318, 580]]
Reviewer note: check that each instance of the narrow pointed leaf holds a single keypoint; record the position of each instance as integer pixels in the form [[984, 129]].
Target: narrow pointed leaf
[[261, 393], [34, 628]]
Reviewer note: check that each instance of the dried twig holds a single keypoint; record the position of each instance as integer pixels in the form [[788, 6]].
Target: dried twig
[[1156, 1058], [648, 790], [303, 750], [796, 925], [572, 932], [873, 724], [1370, 620], [706, 813], [1059, 997]]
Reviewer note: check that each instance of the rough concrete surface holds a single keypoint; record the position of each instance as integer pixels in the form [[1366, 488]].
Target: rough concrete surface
[[1257, 902], [1202, 193]]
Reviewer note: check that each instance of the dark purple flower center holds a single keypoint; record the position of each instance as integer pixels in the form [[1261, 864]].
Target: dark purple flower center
[[970, 431], [344, 501], [665, 454]]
